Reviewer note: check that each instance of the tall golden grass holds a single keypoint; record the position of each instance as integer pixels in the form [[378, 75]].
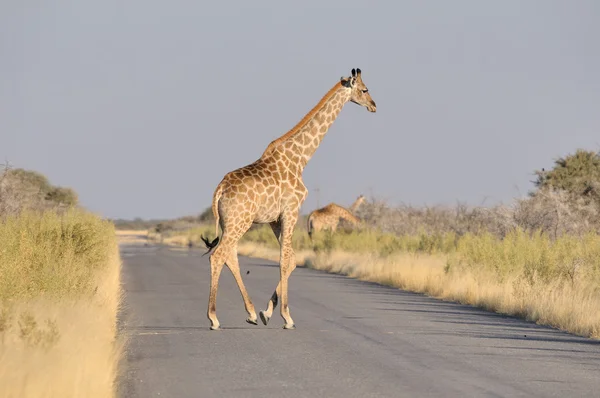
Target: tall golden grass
[[527, 274], [59, 296]]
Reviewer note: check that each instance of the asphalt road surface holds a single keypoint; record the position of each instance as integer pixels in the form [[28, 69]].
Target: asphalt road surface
[[353, 339]]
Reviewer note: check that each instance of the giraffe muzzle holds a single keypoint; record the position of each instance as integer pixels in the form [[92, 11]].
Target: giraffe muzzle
[[372, 107]]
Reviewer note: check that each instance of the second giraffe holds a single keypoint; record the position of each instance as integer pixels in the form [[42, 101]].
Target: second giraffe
[[328, 217], [271, 191]]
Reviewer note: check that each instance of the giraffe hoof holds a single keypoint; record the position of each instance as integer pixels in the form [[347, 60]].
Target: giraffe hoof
[[289, 327], [264, 318], [215, 327], [252, 321]]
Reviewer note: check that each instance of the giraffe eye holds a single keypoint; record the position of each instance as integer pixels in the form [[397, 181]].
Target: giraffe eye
[[366, 90]]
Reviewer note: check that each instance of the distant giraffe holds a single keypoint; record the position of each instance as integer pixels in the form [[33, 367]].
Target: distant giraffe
[[328, 217], [271, 190]]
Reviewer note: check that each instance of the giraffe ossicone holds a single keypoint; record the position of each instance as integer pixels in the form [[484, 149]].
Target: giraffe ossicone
[[271, 191]]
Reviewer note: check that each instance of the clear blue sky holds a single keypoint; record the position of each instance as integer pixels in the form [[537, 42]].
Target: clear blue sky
[[143, 106]]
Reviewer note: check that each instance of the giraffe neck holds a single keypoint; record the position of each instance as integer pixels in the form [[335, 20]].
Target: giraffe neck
[[300, 143], [355, 205]]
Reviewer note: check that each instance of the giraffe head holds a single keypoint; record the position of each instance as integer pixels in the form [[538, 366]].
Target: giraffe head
[[360, 93], [358, 202]]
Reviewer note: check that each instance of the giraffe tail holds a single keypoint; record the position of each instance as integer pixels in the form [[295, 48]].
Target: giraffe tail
[[209, 245], [215, 209], [309, 225]]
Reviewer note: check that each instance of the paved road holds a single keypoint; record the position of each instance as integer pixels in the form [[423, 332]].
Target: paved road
[[353, 339]]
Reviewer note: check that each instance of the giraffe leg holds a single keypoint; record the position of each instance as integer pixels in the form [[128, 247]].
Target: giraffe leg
[[217, 260], [286, 267], [266, 315], [287, 263], [234, 266], [310, 228]]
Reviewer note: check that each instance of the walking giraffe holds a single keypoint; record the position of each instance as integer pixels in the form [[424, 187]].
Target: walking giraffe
[[328, 217], [271, 190]]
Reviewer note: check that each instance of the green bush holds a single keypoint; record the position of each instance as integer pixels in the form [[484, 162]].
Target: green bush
[[578, 174]]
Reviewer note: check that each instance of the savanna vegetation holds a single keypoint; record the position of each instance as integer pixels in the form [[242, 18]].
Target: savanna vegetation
[[59, 292], [537, 258]]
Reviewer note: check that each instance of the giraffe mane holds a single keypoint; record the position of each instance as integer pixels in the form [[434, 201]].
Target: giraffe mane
[[304, 120]]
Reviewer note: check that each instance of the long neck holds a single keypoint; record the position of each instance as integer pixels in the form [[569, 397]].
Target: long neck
[[300, 143], [355, 205]]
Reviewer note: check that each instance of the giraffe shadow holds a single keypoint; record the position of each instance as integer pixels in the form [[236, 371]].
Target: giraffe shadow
[[276, 265], [248, 328], [180, 329]]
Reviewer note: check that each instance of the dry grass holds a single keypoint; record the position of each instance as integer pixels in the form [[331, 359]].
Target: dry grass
[[58, 306], [177, 240], [132, 232], [132, 236], [571, 307]]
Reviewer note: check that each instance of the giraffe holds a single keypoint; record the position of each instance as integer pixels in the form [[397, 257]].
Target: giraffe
[[328, 217], [271, 191]]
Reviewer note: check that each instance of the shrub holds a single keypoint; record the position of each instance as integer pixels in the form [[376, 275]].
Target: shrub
[[577, 174], [22, 189], [51, 254]]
